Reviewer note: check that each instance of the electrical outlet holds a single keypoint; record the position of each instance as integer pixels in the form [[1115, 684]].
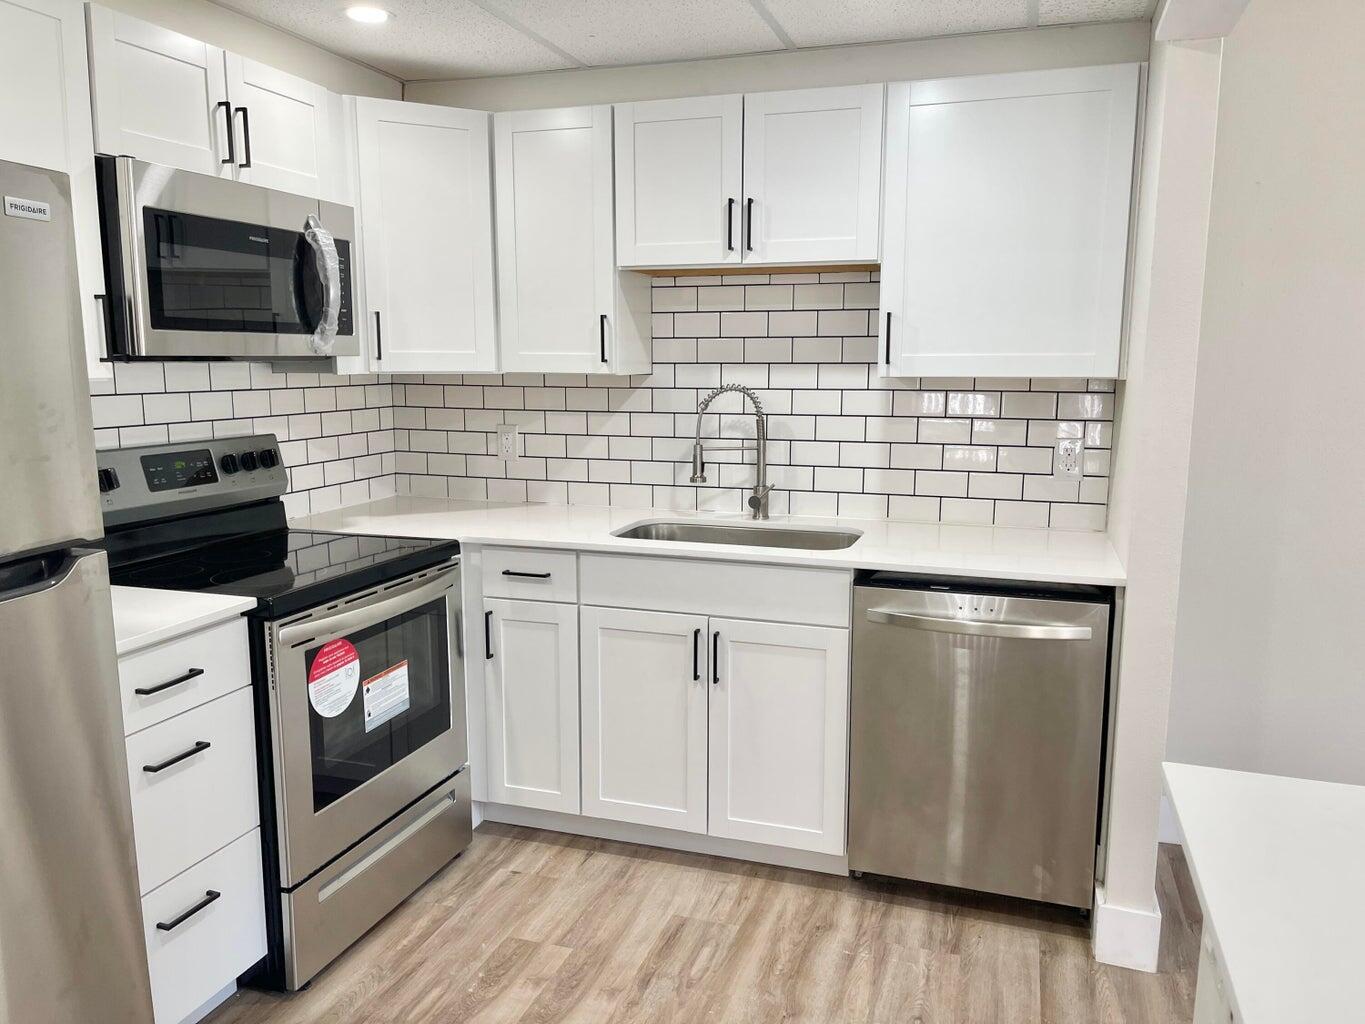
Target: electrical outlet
[[1070, 452], [508, 447]]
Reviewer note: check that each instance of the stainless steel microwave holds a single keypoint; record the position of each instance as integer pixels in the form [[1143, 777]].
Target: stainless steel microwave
[[200, 267]]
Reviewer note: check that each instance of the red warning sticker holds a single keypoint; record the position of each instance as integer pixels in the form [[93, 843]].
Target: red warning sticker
[[333, 678]]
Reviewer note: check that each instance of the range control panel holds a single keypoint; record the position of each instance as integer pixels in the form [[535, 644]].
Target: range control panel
[[156, 481]]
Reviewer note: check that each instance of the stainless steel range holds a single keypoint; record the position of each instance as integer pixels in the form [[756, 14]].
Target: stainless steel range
[[358, 675]]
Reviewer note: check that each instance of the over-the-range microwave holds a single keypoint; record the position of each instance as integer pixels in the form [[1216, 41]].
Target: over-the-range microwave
[[201, 267]]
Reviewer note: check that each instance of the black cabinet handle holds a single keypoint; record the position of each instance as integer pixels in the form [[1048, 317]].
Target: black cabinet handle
[[602, 335], [488, 635], [378, 337], [198, 748], [226, 108], [246, 136], [527, 575], [172, 925], [696, 654], [749, 224], [147, 691], [888, 337], [715, 658], [729, 225]]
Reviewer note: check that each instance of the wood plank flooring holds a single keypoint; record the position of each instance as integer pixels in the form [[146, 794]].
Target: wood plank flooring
[[537, 927]]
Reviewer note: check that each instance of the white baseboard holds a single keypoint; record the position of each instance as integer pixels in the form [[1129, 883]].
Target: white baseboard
[[1126, 936], [1167, 826], [669, 839]]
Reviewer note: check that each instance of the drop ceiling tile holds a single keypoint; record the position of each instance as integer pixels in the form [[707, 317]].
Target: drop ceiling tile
[[424, 38], [1065, 12], [643, 31], [821, 23]]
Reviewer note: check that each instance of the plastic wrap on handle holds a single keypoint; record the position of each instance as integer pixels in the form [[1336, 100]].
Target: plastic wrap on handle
[[329, 272]]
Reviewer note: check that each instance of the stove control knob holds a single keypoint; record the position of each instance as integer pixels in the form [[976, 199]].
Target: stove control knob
[[249, 461], [269, 458], [108, 480], [229, 464]]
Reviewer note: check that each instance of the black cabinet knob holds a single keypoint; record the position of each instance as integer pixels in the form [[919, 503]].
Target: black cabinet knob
[[229, 464], [249, 461], [269, 458]]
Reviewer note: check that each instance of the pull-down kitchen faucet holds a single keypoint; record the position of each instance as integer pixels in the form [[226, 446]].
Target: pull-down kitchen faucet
[[758, 499]]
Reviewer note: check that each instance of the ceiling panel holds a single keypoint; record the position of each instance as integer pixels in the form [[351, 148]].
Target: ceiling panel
[[821, 23], [1063, 12], [644, 31], [424, 38]]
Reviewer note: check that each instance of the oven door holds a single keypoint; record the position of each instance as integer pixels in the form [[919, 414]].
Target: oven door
[[367, 713], [199, 266]]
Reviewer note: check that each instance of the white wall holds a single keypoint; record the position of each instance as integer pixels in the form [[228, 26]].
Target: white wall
[[1270, 651], [230, 30], [982, 53]]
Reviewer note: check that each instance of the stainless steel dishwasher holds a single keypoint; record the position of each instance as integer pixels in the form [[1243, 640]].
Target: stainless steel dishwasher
[[976, 734]]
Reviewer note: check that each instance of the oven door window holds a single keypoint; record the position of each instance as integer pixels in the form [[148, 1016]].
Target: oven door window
[[207, 274], [376, 696]]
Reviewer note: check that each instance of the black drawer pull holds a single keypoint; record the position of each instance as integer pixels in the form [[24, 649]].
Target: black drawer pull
[[696, 654], [488, 635], [226, 107], [749, 224], [147, 691], [888, 337], [169, 926], [246, 136], [198, 748], [715, 658], [527, 575], [729, 225]]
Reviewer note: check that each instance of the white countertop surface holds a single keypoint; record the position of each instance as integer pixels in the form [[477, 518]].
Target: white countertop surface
[[1054, 556], [143, 617], [1277, 865]]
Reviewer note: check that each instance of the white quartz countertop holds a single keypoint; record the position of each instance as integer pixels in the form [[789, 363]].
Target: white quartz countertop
[[1052, 556], [1277, 865], [143, 617]]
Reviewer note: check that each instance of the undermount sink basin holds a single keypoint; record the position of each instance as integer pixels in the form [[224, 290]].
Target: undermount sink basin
[[735, 533]]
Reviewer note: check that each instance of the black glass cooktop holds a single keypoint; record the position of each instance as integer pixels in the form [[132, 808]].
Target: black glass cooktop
[[252, 552]]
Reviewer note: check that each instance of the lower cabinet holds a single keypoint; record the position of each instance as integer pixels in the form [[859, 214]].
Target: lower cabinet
[[531, 693], [644, 717]]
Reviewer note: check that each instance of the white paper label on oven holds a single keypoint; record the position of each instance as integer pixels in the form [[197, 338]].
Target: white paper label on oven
[[386, 695], [333, 678]]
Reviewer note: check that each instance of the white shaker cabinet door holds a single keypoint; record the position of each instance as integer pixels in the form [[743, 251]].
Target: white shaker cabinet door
[[779, 734], [45, 121], [531, 703], [426, 228], [812, 175], [283, 128], [678, 181], [645, 677], [1006, 223], [159, 96], [556, 257]]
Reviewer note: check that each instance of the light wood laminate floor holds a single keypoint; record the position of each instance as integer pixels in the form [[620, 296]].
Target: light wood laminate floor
[[542, 928]]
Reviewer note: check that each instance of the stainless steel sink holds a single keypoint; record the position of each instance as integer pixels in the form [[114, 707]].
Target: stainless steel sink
[[734, 533]]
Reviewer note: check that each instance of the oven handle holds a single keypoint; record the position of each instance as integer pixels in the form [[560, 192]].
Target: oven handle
[[333, 626]]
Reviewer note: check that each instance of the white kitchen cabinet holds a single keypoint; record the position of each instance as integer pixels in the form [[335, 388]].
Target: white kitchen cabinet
[[779, 734], [531, 703], [1006, 223], [45, 121], [766, 178], [678, 181], [644, 694], [426, 230], [283, 125], [563, 305], [812, 175]]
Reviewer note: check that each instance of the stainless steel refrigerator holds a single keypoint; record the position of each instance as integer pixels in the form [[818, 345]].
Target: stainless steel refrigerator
[[71, 938]]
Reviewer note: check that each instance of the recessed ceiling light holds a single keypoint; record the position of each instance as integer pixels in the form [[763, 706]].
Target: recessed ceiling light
[[367, 15]]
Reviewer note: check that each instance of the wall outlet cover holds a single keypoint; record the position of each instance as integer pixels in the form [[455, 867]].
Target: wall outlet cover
[[1070, 452], [508, 446]]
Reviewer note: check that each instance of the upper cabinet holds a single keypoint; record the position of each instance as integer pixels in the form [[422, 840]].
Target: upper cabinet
[[767, 178], [1006, 224], [426, 231], [45, 121], [563, 305], [165, 98]]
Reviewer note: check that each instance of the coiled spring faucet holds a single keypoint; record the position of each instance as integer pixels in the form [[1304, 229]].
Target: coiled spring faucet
[[758, 498]]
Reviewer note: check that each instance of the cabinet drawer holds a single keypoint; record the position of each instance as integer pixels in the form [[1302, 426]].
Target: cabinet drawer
[[184, 673], [530, 574], [200, 803], [780, 593], [192, 960]]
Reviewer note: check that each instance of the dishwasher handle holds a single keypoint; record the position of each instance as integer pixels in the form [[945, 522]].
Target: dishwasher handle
[[976, 627]]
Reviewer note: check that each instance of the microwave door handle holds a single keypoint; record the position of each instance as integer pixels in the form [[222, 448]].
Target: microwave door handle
[[327, 265], [332, 626]]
